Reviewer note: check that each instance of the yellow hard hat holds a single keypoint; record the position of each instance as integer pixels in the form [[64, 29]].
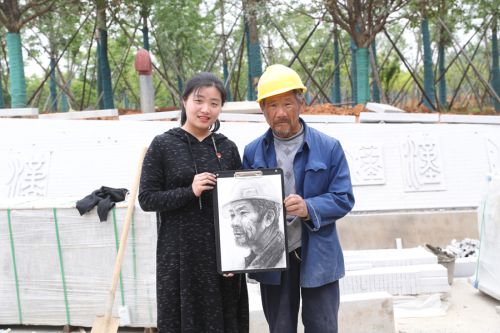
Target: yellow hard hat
[[278, 79]]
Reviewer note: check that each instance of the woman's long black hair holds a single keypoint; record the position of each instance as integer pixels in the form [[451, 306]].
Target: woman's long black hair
[[200, 80]]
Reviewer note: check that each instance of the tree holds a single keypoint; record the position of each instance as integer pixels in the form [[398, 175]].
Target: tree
[[495, 69], [483, 10], [253, 47], [430, 94], [105, 90], [363, 19], [14, 17]]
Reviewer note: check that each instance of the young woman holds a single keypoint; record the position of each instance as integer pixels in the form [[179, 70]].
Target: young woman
[[177, 181]]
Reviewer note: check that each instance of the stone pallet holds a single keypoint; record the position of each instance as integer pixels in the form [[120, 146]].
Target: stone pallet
[[366, 259], [35, 251], [398, 280]]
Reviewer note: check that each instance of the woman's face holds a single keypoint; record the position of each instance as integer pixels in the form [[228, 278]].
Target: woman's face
[[202, 106]]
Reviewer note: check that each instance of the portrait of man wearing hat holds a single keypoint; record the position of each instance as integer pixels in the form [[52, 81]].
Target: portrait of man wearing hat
[[254, 210]]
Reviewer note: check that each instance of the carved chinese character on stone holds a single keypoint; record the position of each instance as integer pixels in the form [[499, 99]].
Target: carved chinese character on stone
[[28, 173], [422, 170], [366, 164]]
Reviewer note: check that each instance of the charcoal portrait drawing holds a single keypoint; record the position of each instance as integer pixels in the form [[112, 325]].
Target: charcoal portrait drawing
[[253, 211]]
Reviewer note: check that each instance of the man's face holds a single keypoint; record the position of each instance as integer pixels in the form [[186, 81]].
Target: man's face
[[245, 223], [282, 114]]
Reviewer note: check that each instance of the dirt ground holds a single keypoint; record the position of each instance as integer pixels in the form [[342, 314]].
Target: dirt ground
[[469, 311]]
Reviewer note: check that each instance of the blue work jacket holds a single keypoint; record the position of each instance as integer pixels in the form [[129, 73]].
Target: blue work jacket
[[322, 178]]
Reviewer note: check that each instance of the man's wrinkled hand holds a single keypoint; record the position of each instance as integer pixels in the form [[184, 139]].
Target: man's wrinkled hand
[[296, 205]]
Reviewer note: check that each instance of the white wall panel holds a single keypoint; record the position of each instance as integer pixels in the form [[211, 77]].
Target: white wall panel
[[393, 166]]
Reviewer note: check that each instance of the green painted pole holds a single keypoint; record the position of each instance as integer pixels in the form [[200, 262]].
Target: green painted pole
[[16, 66], [107, 89], [336, 93], [495, 69], [354, 73], [428, 71], [2, 101], [53, 85], [100, 93], [64, 98], [442, 83], [227, 85], [363, 87], [375, 89], [254, 63]]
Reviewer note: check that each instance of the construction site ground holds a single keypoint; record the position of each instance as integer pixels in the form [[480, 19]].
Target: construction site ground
[[468, 311]]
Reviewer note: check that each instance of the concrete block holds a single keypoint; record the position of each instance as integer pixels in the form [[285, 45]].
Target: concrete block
[[367, 312], [375, 308], [415, 228]]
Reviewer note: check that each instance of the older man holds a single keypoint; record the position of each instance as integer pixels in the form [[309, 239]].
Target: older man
[[254, 211], [318, 192]]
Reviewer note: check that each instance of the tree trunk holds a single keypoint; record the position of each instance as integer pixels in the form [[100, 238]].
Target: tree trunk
[[354, 73], [495, 70], [64, 102], [226, 76], [2, 101], [105, 72], [180, 87], [336, 92], [363, 86], [428, 72], [53, 85], [253, 50], [100, 92], [16, 66], [145, 32], [441, 70], [375, 89]]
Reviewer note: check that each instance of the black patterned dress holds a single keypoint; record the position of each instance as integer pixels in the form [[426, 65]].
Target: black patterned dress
[[191, 296]]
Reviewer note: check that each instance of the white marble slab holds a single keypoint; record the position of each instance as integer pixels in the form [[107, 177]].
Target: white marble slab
[[374, 117], [241, 107], [397, 280], [469, 119], [80, 114], [19, 112], [164, 115], [394, 167], [379, 107]]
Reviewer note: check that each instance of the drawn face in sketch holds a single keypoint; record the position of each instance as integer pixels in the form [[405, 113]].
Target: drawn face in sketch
[[245, 222]]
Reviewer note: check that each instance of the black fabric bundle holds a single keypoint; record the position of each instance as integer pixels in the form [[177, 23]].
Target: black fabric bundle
[[105, 199]]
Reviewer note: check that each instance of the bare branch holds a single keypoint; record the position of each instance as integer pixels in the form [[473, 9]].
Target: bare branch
[[3, 18], [37, 13], [32, 4]]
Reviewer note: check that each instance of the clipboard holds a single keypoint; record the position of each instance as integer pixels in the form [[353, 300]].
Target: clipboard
[[250, 221]]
